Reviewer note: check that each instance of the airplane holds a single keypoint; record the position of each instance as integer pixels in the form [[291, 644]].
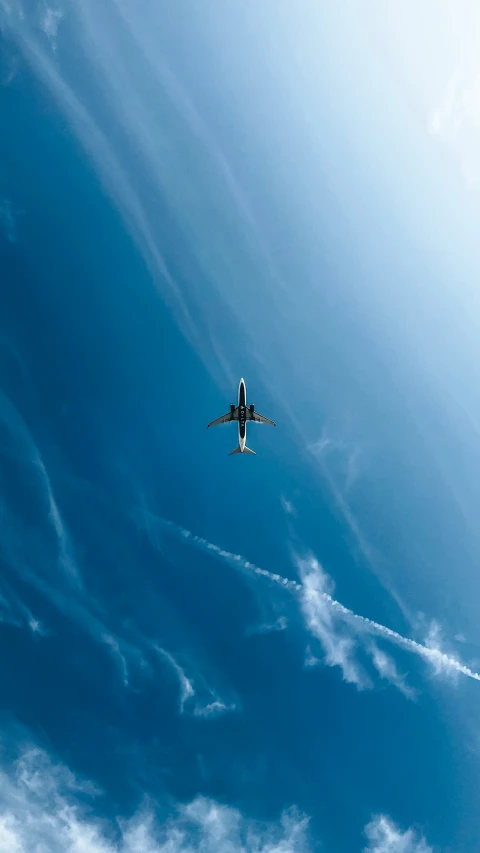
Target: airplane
[[242, 413]]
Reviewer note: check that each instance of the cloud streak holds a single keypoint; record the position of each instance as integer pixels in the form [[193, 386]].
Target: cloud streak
[[115, 177], [186, 687], [209, 706], [47, 564], [387, 670], [22, 447], [287, 506], [51, 571], [434, 656], [138, 99], [50, 22]]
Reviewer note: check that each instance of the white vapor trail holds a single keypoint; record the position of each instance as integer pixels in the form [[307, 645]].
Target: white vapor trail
[[362, 623]]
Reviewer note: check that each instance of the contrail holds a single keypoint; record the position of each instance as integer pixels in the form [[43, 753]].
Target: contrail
[[434, 656], [236, 559]]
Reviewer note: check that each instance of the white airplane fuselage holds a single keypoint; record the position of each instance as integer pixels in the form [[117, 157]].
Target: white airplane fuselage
[[242, 415]]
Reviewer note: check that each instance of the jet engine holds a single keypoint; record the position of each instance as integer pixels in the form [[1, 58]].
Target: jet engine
[[252, 408], [232, 408]]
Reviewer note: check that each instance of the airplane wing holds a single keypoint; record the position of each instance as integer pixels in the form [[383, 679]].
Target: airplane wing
[[260, 419], [225, 419]]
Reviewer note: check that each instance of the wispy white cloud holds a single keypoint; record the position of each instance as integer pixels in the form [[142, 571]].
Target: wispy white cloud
[[288, 506], [41, 15], [205, 702], [279, 624], [145, 98], [310, 659], [186, 687], [387, 669], [436, 641], [47, 562], [20, 24], [344, 458], [456, 122], [440, 661], [50, 18], [37, 627], [21, 445], [338, 644], [13, 610], [317, 596], [385, 837], [341, 463], [40, 810], [214, 709], [112, 643]]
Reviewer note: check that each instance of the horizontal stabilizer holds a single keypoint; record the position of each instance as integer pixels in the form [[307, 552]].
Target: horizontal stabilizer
[[245, 450]]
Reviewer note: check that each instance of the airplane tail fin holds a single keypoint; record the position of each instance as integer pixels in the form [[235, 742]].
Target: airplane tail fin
[[245, 450]]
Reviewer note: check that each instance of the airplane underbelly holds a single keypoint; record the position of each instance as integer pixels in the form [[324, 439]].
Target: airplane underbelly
[[242, 422]]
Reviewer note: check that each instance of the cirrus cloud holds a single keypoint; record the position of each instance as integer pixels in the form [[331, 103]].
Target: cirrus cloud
[[45, 807]]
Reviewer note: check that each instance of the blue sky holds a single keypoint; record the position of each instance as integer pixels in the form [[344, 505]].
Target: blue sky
[[278, 653]]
